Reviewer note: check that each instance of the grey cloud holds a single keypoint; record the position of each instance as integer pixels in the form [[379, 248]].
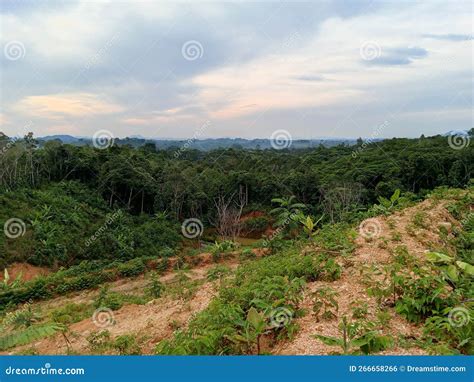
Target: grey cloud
[[449, 37], [398, 56], [310, 78]]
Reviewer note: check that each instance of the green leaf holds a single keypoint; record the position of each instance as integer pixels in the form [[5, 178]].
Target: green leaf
[[395, 196], [331, 341], [256, 319], [28, 335], [437, 257], [452, 272], [468, 268]]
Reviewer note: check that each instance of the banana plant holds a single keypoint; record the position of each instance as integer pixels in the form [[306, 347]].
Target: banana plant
[[288, 211], [6, 280], [309, 225], [387, 204], [355, 335], [253, 328]]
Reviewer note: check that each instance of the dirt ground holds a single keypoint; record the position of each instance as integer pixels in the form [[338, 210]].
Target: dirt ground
[[159, 318], [151, 322], [27, 271], [351, 288]]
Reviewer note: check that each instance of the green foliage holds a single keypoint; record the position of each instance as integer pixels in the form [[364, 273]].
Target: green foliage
[[182, 286], [31, 333], [324, 303], [423, 294], [155, 287], [71, 313], [444, 329], [256, 225], [360, 309], [419, 219], [6, 283], [337, 238], [395, 202], [450, 267], [247, 254], [115, 300], [218, 272], [99, 341], [309, 225], [359, 336], [126, 345], [251, 330], [86, 275], [288, 214], [23, 317], [67, 223], [220, 248], [272, 286]]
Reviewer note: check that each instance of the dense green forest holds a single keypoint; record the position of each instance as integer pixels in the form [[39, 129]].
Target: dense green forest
[[65, 192]]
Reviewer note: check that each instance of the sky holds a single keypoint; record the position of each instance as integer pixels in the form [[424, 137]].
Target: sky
[[197, 69]]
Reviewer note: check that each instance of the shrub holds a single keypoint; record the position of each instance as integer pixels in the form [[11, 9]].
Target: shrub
[[126, 345], [155, 286]]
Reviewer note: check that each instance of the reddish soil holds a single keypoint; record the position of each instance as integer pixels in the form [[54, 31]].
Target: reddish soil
[[28, 272]]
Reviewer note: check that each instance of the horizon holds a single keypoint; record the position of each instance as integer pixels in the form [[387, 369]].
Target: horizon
[[292, 139], [333, 69]]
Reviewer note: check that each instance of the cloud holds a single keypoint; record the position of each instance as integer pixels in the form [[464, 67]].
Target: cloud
[[3, 119], [449, 37], [310, 78], [398, 56], [70, 104], [268, 65]]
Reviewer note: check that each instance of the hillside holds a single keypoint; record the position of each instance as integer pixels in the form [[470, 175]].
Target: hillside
[[273, 297]]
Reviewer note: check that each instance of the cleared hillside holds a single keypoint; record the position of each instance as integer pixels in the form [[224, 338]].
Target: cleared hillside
[[375, 275]]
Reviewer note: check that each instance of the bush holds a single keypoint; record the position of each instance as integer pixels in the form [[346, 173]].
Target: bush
[[155, 286], [126, 345]]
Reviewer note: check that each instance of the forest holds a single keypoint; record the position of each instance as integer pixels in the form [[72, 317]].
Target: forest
[[294, 220]]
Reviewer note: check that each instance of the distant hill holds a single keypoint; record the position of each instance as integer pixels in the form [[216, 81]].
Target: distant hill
[[63, 138], [206, 144]]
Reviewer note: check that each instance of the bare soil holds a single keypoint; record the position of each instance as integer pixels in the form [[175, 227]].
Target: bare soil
[[378, 251], [27, 271]]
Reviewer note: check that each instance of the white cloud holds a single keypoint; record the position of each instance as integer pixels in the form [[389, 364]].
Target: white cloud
[[56, 106]]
